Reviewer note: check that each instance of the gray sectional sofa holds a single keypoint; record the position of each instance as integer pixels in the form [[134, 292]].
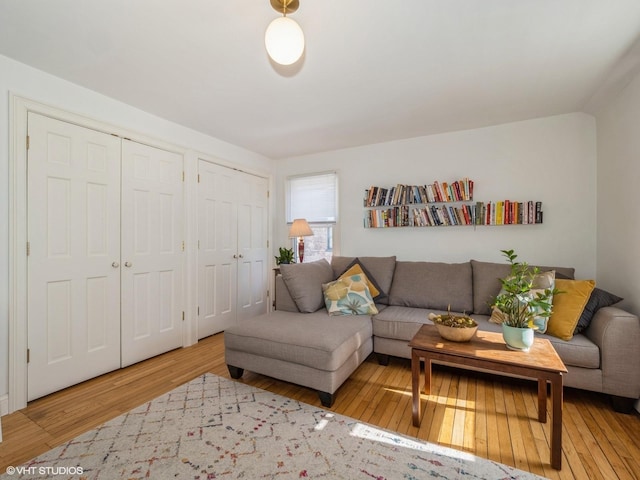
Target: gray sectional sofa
[[300, 343]]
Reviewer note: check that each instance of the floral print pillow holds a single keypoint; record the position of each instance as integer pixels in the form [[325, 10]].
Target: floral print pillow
[[349, 296]]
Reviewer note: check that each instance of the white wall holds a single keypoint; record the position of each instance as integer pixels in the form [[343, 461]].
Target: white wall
[[36, 85], [550, 159], [618, 232]]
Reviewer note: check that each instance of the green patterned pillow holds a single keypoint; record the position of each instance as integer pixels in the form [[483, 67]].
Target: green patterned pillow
[[349, 296]]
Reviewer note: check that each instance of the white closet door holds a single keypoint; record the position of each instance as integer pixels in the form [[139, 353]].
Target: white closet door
[[252, 245], [152, 251], [73, 267], [218, 253]]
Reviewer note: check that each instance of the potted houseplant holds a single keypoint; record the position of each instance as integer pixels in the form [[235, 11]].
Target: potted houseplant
[[285, 256], [520, 303]]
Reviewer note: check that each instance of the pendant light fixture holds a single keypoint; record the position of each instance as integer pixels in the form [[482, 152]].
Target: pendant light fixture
[[284, 38]]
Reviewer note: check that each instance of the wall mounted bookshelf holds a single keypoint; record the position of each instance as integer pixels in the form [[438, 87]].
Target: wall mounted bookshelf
[[443, 204]]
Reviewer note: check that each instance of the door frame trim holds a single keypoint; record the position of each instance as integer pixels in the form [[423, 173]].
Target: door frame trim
[[19, 108]]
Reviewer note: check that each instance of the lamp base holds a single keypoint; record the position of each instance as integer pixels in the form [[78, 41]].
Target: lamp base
[[301, 248]]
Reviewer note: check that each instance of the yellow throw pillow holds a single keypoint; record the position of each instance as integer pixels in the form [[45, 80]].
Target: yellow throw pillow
[[357, 270], [568, 306]]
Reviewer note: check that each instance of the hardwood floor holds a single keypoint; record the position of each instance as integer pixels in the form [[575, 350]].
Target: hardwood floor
[[485, 415]]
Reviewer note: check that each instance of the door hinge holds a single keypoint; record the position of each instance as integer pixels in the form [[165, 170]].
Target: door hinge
[[198, 178], [28, 141], [28, 248], [28, 355], [183, 316], [198, 244], [183, 175], [268, 193], [267, 243], [198, 311], [183, 245], [268, 294]]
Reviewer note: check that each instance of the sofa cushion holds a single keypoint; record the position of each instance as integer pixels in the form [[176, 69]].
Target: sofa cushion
[[379, 270], [486, 282], [315, 339], [399, 323], [433, 285], [568, 306], [349, 295], [304, 282]]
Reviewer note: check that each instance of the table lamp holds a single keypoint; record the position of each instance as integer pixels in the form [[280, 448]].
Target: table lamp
[[300, 228]]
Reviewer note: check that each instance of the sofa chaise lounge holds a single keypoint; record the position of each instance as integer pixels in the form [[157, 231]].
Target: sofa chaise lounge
[[300, 343]]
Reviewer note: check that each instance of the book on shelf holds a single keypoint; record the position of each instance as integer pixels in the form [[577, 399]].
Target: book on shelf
[[389, 207], [502, 212], [538, 212], [436, 192]]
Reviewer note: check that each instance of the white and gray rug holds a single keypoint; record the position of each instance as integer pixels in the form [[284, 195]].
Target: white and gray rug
[[214, 428]]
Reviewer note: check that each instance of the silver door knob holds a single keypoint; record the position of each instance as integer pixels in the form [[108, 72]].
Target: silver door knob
[[235, 256], [115, 264], [240, 256], [127, 264]]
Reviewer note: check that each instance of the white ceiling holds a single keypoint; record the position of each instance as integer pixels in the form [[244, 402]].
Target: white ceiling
[[373, 70]]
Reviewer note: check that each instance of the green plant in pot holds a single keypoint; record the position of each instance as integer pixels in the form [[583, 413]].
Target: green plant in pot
[[285, 256], [520, 303]]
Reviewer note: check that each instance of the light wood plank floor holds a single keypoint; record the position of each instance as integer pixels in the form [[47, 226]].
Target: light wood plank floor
[[491, 417]]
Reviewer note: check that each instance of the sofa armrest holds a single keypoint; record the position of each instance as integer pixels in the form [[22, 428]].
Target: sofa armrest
[[617, 335], [284, 300]]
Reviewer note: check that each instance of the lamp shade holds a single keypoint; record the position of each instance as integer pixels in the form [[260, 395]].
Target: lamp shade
[[284, 40], [300, 228]]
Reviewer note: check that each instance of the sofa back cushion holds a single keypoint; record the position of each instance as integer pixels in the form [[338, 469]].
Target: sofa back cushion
[[379, 270], [304, 282], [433, 285], [486, 282]]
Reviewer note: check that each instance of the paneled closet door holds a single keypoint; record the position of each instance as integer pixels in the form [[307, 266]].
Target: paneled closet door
[[218, 251], [152, 251], [253, 261], [73, 222]]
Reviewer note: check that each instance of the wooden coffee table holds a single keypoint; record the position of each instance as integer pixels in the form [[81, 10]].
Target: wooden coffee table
[[487, 351]]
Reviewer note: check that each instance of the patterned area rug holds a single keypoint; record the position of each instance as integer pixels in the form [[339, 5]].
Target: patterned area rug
[[214, 428]]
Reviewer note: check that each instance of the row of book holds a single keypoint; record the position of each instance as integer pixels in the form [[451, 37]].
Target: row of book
[[458, 191], [504, 212]]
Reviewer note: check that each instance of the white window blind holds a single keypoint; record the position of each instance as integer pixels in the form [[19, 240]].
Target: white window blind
[[313, 197]]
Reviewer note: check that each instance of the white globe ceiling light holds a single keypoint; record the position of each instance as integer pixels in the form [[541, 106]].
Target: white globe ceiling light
[[284, 38]]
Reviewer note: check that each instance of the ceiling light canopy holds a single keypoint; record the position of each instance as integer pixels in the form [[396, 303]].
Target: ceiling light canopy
[[284, 38]]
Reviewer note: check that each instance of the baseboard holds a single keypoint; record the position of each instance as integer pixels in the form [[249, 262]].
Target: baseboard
[[4, 404], [637, 405], [4, 409]]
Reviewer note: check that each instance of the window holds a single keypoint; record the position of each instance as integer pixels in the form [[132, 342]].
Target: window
[[315, 198]]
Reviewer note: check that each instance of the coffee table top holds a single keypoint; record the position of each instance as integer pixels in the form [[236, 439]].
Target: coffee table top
[[490, 346]]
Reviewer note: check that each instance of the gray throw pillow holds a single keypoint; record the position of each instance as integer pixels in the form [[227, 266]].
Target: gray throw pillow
[[304, 282], [598, 299]]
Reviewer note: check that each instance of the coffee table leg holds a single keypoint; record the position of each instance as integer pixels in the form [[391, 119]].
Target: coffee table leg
[[427, 375], [556, 422], [415, 387], [542, 401]]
